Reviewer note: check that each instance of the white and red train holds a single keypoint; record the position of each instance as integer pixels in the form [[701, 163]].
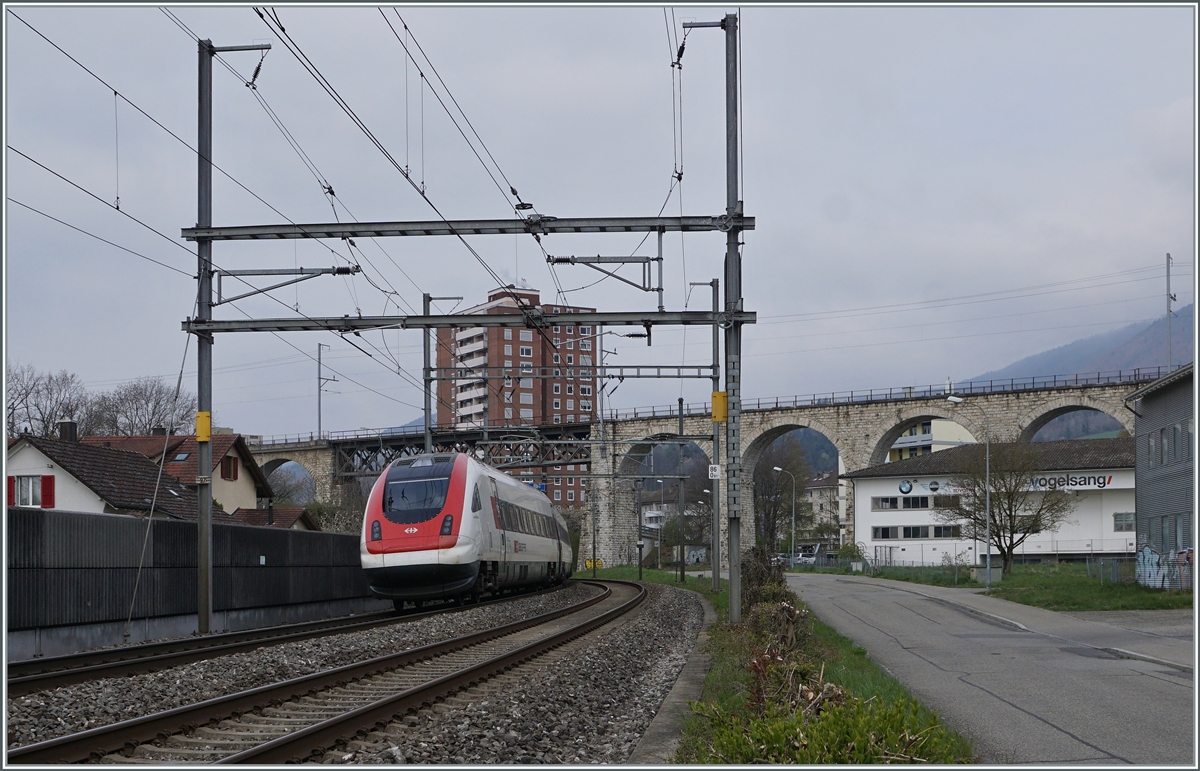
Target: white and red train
[[446, 526]]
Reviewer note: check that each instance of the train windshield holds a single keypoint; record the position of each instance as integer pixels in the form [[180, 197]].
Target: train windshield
[[415, 500], [416, 494]]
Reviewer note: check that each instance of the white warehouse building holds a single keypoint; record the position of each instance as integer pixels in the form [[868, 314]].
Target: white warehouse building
[[894, 504]]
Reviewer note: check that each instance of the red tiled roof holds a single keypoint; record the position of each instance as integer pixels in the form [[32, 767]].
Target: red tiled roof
[[186, 470], [122, 478], [283, 517], [150, 446]]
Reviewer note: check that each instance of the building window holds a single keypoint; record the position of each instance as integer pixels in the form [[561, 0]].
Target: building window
[[557, 419], [1123, 522], [570, 404], [585, 359], [526, 398], [585, 390], [570, 330], [556, 330], [884, 533], [557, 359], [557, 388], [570, 418], [508, 397], [585, 345], [28, 491], [570, 481], [526, 414], [508, 413], [947, 531], [229, 468], [508, 382], [527, 335], [507, 349], [1152, 449], [558, 480], [558, 404], [508, 334], [916, 502], [527, 351], [883, 504], [570, 359], [570, 495], [527, 382], [945, 501], [583, 467], [570, 389], [555, 342], [917, 532], [585, 330], [558, 495], [1162, 447], [585, 404], [570, 345], [558, 468], [570, 467], [1177, 442]]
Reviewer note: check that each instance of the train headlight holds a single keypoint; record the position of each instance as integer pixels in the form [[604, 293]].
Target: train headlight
[[376, 533], [447, 524]]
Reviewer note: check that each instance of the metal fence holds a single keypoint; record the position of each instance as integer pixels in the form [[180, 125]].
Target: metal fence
[[79, 568]]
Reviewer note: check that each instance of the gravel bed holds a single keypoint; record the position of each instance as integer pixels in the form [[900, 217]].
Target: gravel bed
[[592, 707], [47, 714]]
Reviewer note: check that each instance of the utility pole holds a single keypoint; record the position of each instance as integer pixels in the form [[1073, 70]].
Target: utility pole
[[1170, 297], [321, 381], [679, 504], [204, 340], [733, 304]]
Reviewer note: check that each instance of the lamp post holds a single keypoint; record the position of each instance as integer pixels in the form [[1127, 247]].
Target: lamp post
[[792, 550], [662, 519], [987, 483]]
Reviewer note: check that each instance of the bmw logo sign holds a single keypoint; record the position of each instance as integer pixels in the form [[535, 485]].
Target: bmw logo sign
[[906, 487], [933, 486]]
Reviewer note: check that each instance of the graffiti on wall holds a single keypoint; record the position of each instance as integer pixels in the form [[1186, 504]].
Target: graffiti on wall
[[1173, 570]]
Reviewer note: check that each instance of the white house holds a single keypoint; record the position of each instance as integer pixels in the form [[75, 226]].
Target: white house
[[65, 475], [894, 504]]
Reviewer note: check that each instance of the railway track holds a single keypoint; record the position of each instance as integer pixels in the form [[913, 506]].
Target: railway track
[[52, 672], [299, 718]]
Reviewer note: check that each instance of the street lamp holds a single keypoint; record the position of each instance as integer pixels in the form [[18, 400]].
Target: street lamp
[[792, 551], [987, 482], [662, 518]]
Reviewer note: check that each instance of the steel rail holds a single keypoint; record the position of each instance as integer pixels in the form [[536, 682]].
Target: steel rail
[[85, 745], [42, 674], [297, 746]]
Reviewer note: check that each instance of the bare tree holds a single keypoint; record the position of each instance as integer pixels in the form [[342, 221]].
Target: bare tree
[[291, 487], [137, 407], [36, 401], [1019, 509], [773, 491]]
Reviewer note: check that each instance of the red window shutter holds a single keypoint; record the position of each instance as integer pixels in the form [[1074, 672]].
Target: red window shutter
[[48, 492], [12, 491]]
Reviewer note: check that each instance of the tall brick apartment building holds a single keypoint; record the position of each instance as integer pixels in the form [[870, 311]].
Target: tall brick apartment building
[[568, 396]]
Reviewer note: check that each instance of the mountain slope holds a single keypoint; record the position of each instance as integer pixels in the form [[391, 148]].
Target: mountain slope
[[1134, 346]]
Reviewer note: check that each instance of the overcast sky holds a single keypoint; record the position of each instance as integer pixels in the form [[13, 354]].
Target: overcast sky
[[1028, 166]]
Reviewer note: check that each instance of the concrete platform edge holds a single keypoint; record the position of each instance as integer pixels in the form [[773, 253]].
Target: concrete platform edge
[[661, 738]]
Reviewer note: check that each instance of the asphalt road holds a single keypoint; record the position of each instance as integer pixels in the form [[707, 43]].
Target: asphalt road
[[1021, 696]]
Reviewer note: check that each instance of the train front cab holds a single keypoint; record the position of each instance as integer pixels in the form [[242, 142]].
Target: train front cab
[[416, 545]]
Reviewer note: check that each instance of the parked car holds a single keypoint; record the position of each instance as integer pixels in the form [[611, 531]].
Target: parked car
[[807, 559]]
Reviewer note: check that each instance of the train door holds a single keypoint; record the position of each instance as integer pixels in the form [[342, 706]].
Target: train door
[[502, 570]]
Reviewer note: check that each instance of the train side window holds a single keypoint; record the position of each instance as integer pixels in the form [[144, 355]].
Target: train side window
[[476, 501]]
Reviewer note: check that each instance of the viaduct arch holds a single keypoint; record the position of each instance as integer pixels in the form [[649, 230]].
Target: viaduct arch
[[862, 428]]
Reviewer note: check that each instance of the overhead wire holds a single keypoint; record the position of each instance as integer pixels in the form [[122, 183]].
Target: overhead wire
[[98, 238]]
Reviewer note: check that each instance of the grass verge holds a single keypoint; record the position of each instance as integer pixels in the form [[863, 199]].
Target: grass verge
[[1063, 586], [1067, 587], [785, 688]]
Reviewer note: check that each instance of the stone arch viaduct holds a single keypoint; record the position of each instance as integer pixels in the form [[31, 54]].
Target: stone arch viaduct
[[862, 426]]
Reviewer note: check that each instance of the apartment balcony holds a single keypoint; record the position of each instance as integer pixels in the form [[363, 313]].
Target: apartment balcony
[[475, 348], [476, 391]]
